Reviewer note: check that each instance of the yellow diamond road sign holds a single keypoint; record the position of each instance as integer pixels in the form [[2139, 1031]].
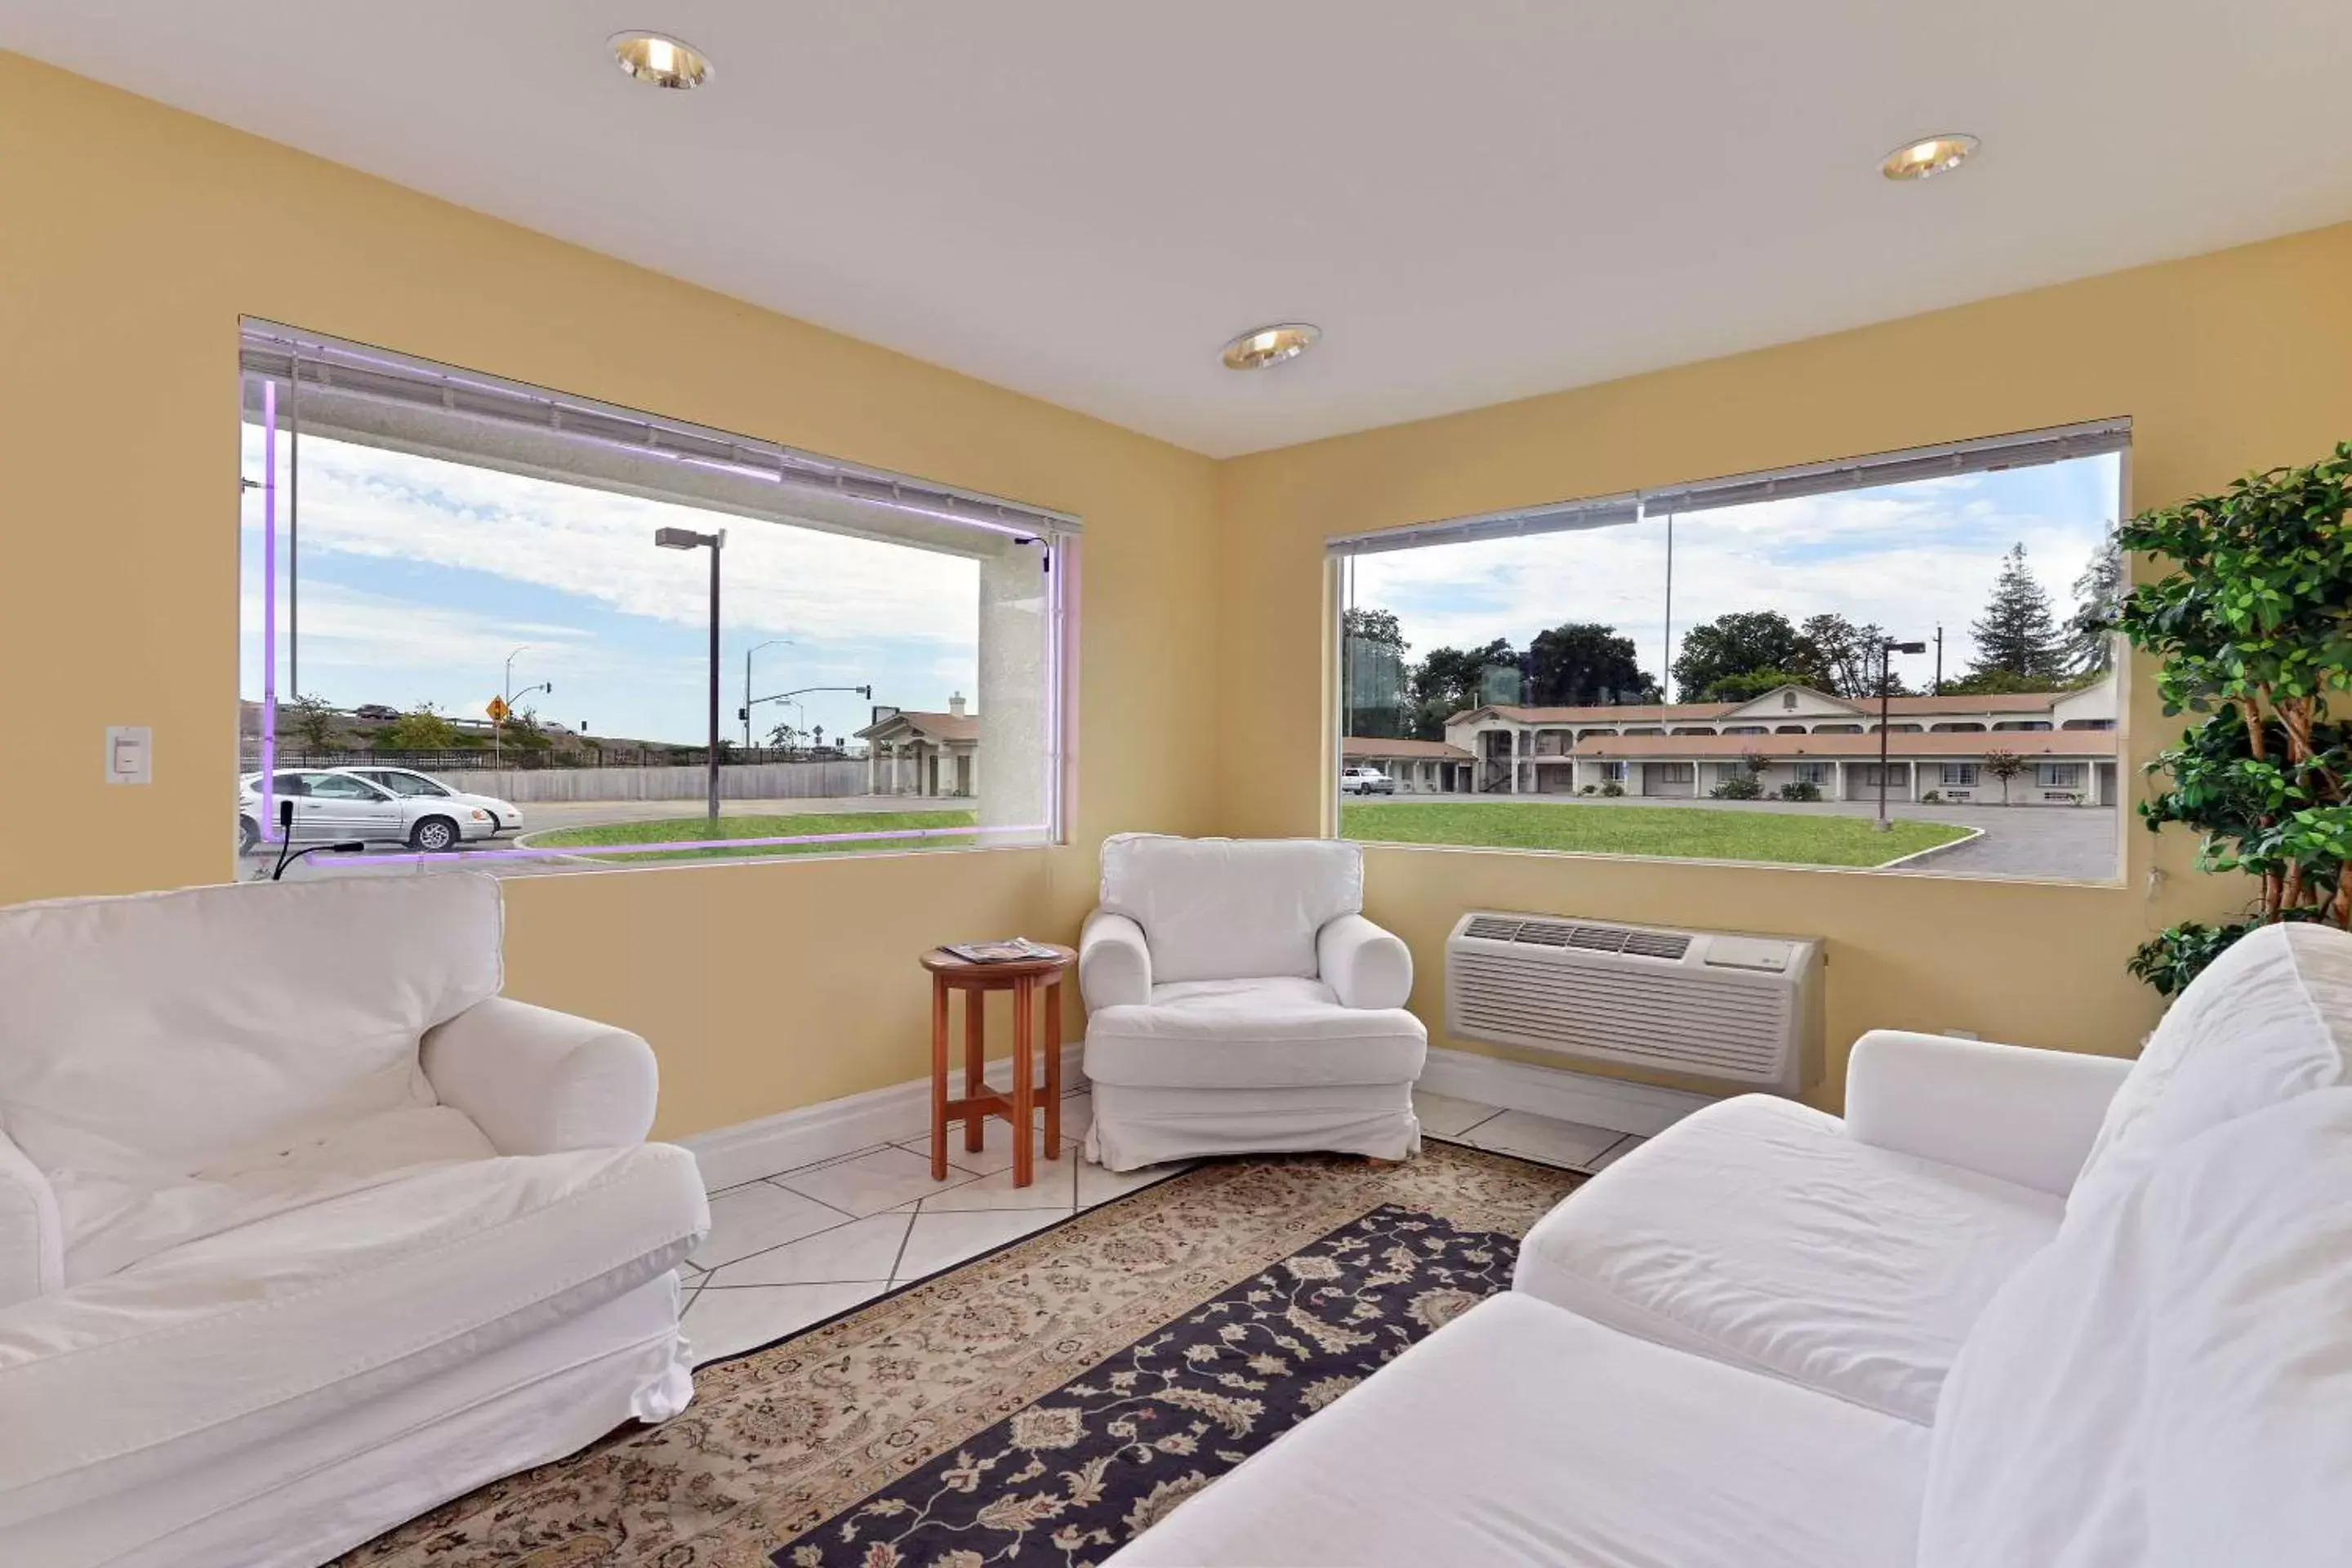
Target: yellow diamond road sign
[[496, 710]]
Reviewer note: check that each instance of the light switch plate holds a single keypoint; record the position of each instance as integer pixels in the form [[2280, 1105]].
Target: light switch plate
[[130, 754]]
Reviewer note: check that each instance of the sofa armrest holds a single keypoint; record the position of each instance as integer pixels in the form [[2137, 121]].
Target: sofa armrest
[[32, 1241], [1366, 966], [2024, 1115], [536, 1081], [1114, 962]]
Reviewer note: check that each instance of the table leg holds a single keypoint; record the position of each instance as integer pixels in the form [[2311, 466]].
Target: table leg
[[1054, 1067], [938, 1078], [1024, 1126], [975, 1062]]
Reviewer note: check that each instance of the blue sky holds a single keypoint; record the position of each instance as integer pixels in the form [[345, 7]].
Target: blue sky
[[419, 577], [1909, 557]]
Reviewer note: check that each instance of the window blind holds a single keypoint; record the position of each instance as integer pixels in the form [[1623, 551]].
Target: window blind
[[374, 397], [2024, 449]]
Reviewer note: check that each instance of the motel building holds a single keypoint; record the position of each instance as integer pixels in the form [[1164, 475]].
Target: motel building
[[2065, 741], [912, 753]]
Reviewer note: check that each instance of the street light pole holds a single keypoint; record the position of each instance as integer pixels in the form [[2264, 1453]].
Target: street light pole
[[1887, 648], [772, 642], [687, 539], [498, 720]]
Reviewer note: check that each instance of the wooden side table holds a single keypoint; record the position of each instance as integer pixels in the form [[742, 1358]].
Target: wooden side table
[[1025, 978]]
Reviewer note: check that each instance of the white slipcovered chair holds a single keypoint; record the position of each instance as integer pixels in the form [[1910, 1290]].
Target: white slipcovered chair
[[305, 1229], [1239, 1002]]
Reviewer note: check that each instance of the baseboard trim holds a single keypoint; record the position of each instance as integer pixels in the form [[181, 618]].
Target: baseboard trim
[[746, 1151], [1616, 1103]]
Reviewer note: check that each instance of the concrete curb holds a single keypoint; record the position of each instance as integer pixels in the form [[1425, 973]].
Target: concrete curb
[[1905, 862]]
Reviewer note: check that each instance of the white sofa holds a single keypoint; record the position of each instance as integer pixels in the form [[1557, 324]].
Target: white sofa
[[1238, 1002], [304, 1229], [2019, 1308]]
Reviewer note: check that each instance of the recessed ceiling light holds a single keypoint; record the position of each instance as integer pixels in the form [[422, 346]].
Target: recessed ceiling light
[[660, 60], [1271, 345], [1930, 156]]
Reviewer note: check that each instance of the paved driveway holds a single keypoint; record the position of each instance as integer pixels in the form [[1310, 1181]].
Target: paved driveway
[[2061, 843]]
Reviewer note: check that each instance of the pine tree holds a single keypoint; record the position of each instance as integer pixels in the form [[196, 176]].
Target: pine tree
[[2018, 635], [2098, 594]]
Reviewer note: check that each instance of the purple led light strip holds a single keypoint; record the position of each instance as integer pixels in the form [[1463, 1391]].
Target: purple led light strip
[[268, 609], [1057, 570], [596, 851]]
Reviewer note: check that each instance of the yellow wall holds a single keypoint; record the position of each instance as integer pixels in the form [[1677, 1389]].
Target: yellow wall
[[133, 236], [2225, 362]]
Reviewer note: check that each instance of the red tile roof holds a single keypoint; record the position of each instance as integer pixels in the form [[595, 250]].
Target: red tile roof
[[1713, 712], [1355, 746], [2071, 743], [929, 726]]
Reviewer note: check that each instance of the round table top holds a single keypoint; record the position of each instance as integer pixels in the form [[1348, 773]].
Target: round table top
[[939, 961]]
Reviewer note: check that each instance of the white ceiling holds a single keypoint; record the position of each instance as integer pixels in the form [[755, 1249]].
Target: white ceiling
[[1476, 199]]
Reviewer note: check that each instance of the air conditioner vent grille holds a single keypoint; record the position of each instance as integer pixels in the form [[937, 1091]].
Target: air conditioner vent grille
[[1666, 1000], [1580, 936], [1657, 943]]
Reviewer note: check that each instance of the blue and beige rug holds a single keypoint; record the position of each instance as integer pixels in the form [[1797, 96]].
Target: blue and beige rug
[[1041, 1405]]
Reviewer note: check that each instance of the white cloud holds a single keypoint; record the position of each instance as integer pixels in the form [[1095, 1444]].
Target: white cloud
[[366, 502], [1909, 557]]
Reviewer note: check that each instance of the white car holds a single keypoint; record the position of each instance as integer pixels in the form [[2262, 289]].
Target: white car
[[425, 786], [1365, 781], [332, 807]]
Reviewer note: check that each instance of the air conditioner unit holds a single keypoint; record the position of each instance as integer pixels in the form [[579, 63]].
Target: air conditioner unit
[[1741, 1011]]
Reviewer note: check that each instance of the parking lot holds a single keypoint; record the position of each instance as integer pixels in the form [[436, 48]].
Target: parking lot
[[540, 816]]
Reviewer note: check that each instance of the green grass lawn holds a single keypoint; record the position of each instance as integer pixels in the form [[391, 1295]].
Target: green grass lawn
[[1686, 833], [689, 829]]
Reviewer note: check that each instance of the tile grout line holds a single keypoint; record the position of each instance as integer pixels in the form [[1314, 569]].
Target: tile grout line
[[795, 1284], [1477, 1124], [905, 1236], [848, 1219], [1622, 1138]]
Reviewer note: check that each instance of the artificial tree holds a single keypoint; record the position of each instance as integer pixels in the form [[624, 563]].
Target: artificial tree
[[2252, 628]]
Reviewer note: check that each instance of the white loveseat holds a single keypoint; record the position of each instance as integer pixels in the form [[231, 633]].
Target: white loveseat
[[1238, 1002], [2018, 1310], [304, 1229]]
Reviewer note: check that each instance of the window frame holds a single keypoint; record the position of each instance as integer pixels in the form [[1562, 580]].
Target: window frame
[[308, 360], [2022, 449]]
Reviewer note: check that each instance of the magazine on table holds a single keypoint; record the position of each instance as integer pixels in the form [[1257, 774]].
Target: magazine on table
[[1010, 950]]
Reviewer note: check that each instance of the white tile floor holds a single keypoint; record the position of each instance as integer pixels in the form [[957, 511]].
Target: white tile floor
[[794, 1248], [1546, 1140]]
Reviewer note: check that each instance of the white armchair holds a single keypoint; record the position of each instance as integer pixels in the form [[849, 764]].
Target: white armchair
[[1239, 1002], [304, 1229]]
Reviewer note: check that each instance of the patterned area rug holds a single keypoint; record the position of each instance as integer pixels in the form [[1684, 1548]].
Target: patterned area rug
[[1040, 1406]]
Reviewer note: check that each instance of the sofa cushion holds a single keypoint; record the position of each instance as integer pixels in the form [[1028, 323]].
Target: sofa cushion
[[1522, 1434], [159, 1032], [2268, 1020], [1756, 1232], [258, 1330], [1220, 909], [2167, 1383], [1248, 1034], [113, 1220]]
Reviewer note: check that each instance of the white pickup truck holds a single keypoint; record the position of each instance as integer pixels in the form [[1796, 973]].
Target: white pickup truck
[[1365, 781]]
